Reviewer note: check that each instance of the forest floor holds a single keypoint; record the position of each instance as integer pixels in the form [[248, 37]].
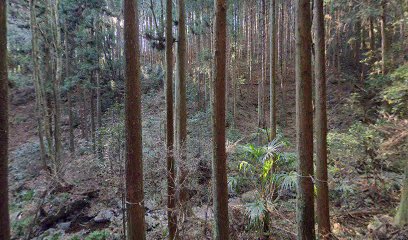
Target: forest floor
[[88, 202]]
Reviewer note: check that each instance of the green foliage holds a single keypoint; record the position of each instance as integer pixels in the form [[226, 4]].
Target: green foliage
[[112, 135], [233, 134], [391, 91], [396, 94], [256, 213], [267, 169], [55, 236], [19, 80], [343, 190], [28, 195], [152, 78], [378, 82], [233, 184], [20, 226], [356, 143], [98, 235]]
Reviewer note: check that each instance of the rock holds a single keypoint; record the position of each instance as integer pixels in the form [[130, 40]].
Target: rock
[[23, 96], [155, 219], [64, 226], [14, 216], [203, 213], [104, 216], [250, 196], [151, 222], [150, 204], [54, 214], [379, 226]]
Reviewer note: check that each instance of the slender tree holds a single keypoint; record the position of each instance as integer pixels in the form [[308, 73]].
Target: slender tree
[[68, 58], [4, 210], [219, 164], [57, 78], [171, 203], [384, 38], [304, 122], [322, 199], [36, 79], [273, 51], [371, 34], [402, 214], [181, 100], [261, 81], [133, 121]]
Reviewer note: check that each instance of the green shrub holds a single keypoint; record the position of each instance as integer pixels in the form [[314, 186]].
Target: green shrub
[[55, 236], [152, 78], [28, 195], [358, 144], [269, 170], [378, 82], [19, 227], [98, 235], [19, 80], [396, 94]]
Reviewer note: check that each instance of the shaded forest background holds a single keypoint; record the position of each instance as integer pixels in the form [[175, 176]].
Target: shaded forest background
[[67, 133]]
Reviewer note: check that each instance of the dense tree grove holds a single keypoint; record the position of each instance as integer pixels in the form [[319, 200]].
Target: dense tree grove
[[199, 119]]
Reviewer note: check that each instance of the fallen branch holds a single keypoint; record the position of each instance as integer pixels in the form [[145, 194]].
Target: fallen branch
[[361, 213]]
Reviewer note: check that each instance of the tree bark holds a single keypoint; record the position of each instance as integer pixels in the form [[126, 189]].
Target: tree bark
[[181, 110], [371, 34], [56, 84], [273, 51], [304, 122], [261, 81], [37, 81], [322, 198], [4, 209], [219, 165], [171, 203], [68, 58], [133, 121], [384, 39], [47, 108], [402, 215]]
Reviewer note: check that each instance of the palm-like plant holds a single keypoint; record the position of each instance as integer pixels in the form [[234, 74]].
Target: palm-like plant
[[268, 169]]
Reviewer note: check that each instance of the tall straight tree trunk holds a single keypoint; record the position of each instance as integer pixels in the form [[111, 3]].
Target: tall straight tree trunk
[[273, 69], [250, 55], [99, 147], [171, 203], [84, 116], [384, 39], [283, 61], [92, 109], [47, 109], [219, 165], [357, 45], [322, 198], [71, 123], [402, 214], [371, 34], [37, 82], [56, 84], [261, 81], [304, 122], [133, 121], [68, 57], [181, 110], [4, 210]]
